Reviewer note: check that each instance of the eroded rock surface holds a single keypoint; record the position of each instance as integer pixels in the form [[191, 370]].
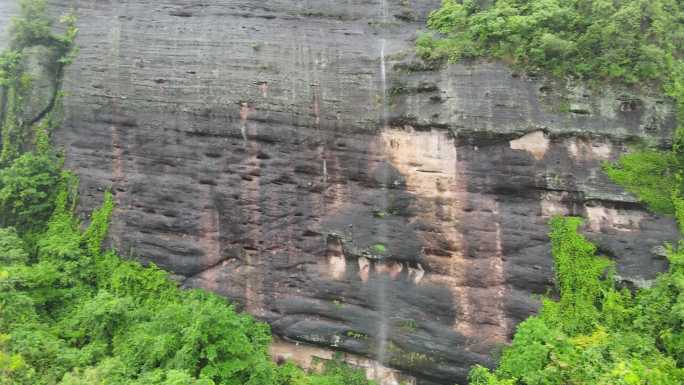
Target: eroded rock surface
[[256, 150], [7, 9]]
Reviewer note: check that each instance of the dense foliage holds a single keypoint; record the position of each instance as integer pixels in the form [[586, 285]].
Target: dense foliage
[[33, 26], [71, 314], [626, 40], [596, 334]]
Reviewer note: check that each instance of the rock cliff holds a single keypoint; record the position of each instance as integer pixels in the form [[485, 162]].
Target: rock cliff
[[294, 156], [7, 9]]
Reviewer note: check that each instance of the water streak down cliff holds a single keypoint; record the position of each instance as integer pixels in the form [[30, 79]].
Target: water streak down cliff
[[294, 156]]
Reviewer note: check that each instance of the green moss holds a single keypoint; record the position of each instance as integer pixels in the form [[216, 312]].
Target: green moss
[[380, 214], [357, 335], [408, 325], [404, 358], [564, 106], [379, 248]]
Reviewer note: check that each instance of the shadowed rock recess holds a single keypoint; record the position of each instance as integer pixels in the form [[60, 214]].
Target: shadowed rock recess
[[294, 156]]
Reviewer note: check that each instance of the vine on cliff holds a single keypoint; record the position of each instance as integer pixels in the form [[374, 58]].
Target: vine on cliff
[[595, 333]]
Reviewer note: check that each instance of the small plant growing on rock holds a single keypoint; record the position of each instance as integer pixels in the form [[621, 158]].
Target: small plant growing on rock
[[408, 325], [379, 248], [356, 335]]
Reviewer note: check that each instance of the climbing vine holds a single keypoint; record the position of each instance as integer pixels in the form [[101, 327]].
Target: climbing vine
[[99, 225], [14, 84], [595, 333], [578, 278]]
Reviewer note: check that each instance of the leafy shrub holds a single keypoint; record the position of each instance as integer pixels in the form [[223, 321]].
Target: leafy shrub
[[27, 189], [647, 174], [33, 25], [596, 334], [12, 250], [627, 41], [578, 273]]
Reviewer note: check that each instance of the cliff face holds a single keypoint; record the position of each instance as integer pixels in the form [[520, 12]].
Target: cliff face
[[294, 156], [7, 9]]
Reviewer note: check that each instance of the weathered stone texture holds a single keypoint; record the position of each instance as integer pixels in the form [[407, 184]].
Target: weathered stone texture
[[7, 9], [253, 152]]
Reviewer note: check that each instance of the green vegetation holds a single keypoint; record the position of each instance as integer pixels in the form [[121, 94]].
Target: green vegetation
[[379, 248], [356, 335], [380, 214], [334, 373], [596, 333], [33, 27], [648, 174], [405, 358], [72, 314], [627, 41], [408, 325]]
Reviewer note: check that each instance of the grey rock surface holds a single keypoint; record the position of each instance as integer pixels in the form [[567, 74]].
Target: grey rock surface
[[7, 9], [294, 157], [489, 97], [36, 62]]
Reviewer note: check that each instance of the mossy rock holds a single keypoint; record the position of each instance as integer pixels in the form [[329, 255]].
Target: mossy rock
[[40, 73]]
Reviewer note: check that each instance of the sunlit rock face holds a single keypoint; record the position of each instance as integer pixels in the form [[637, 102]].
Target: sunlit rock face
[[254, 151]]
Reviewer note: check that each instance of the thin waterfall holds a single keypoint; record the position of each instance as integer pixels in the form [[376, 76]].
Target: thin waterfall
[[381, 295], [385, 11], [383, 327], [383, 82], [381, 353], [383, 64]]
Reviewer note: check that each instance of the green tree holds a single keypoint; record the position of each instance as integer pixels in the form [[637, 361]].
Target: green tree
[[27, 190], [627, 41]]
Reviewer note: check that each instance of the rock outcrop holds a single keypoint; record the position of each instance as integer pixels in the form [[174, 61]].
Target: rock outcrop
[[294, 157], [7, 9]]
